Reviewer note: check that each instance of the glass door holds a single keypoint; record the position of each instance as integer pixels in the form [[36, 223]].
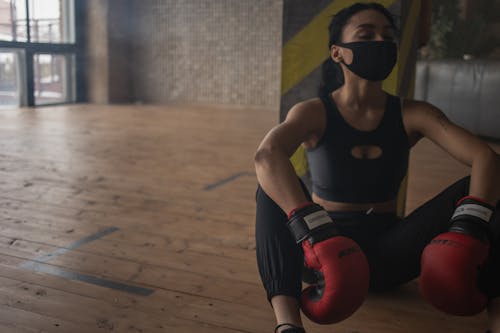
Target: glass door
[[12, 74]]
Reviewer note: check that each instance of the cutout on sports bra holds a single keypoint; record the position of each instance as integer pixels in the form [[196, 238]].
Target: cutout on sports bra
[[366, 152]]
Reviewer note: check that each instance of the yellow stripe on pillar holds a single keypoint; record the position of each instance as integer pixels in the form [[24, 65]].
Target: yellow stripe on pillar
[[393, 82]]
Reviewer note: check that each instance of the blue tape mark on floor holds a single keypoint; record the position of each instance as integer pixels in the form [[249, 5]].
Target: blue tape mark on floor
[[38, 265], [226, 180], [53, 270], [77, 244]]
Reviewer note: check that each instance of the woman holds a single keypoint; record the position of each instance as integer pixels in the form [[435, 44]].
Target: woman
[[357, 139]]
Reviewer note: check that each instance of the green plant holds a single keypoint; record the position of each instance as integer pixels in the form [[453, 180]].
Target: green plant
[[444, 17], [453, 37]]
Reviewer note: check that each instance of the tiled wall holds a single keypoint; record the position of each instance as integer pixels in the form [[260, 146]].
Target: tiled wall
[[207, 51]]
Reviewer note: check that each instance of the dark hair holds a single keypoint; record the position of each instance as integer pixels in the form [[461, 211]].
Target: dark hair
[[332, 76]]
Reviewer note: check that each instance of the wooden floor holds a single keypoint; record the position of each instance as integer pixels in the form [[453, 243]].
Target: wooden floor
[[141, 219]]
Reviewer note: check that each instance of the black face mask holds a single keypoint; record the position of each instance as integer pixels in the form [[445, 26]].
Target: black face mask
[[372, 60]]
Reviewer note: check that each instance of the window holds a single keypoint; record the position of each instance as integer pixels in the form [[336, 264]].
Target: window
[[39, 52], [53, 78], [11, 82], [51, 21], [13, 20]]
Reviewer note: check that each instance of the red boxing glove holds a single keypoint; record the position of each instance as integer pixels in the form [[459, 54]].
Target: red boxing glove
[[338, 262], [451, 263]]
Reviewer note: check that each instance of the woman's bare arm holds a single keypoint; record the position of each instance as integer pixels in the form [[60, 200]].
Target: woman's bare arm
[[432, 123], [305, 123]]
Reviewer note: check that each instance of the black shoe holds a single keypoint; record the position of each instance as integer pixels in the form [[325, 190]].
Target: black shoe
[[292, 328]]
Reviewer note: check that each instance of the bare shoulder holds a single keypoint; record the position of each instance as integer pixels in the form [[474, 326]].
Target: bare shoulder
[[310, 108], [310, 116]]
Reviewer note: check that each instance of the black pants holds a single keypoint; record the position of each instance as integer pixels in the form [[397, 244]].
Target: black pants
[[392, 245]]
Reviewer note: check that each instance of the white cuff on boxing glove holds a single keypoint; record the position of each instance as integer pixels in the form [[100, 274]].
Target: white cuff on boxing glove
[[472, 216], [305, 220], [473, 207]]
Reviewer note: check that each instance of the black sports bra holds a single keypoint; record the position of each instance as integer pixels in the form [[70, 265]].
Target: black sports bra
[[337, 175]]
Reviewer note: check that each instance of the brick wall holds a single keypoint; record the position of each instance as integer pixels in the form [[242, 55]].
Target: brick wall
[[206, 51]]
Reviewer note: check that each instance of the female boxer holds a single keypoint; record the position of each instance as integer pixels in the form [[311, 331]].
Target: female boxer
[[347, 233]]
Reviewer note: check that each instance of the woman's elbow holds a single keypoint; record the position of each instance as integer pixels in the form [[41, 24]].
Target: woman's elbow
[[268, 156], [487, 159], [262, 156], [488, 155]]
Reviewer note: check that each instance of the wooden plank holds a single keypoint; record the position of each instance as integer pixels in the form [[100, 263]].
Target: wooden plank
[[187, 203], [132, 259], [231, 242], [28, 321], [180, 305], [11, 327], [145, 275], [85, 311]]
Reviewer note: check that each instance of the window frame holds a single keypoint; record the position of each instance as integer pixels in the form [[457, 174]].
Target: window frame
[[74, 49]]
